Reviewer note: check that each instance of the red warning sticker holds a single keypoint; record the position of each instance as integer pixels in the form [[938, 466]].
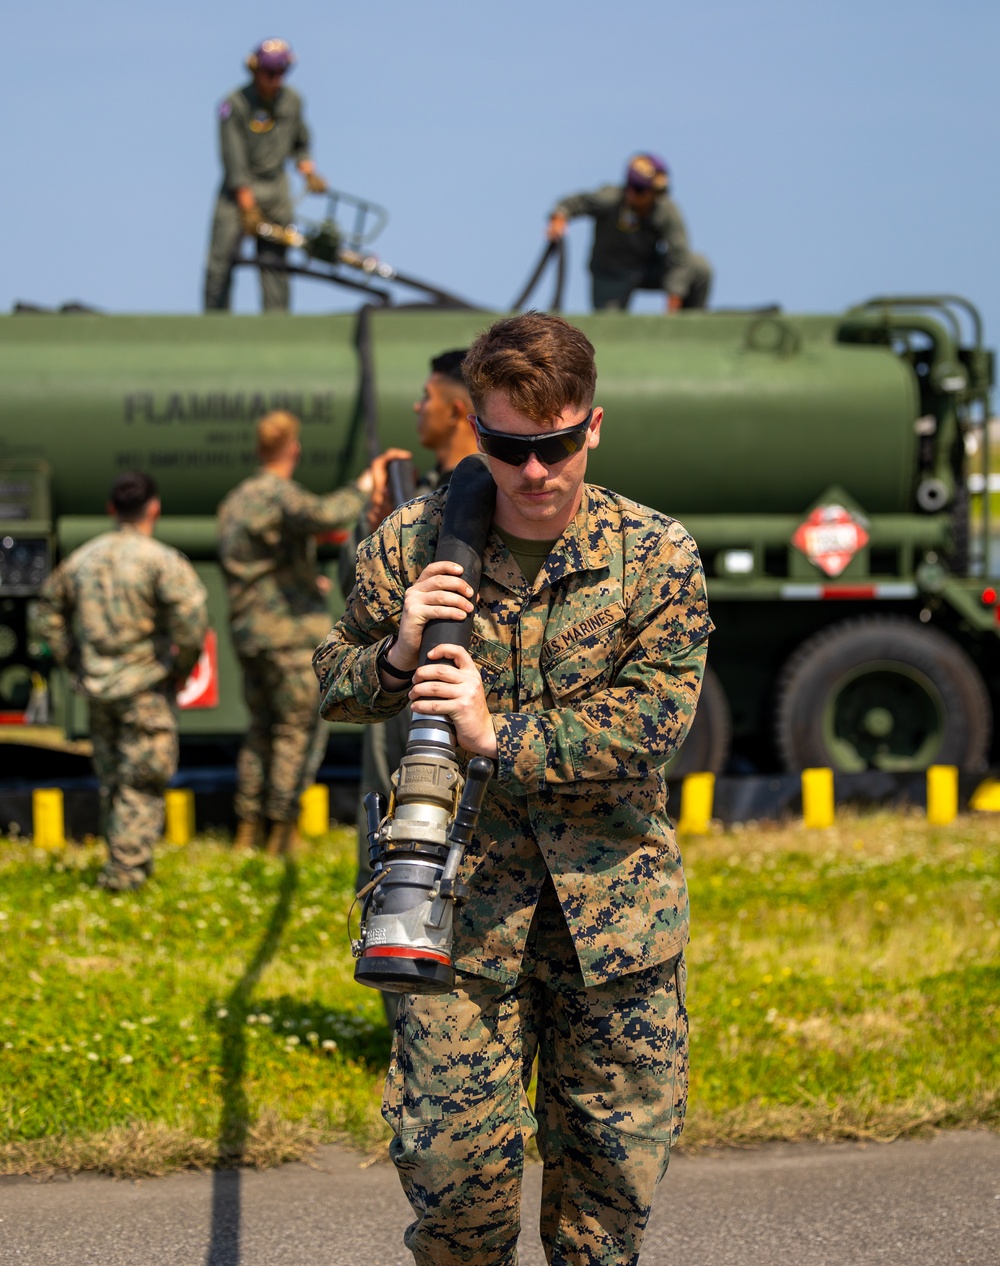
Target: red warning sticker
[[201, 690], [830, 537]]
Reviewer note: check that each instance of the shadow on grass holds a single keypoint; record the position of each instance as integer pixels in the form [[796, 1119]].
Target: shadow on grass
[[234, 1119]]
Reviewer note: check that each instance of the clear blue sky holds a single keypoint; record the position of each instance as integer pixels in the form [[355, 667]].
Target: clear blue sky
[[822, 152]]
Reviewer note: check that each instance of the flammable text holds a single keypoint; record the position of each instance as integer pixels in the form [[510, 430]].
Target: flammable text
[[220, 406]]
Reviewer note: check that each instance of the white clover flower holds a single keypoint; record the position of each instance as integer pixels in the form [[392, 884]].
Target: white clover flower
[[312, 1037], [125, 1059], [92, 1056], [148, 1019], [264, 1019], [222, 1013], [65, 1049], [329, 1044], [292, 1039], [251, 1019]]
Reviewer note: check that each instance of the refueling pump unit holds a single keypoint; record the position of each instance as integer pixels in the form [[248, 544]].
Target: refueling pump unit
[[417, 841]]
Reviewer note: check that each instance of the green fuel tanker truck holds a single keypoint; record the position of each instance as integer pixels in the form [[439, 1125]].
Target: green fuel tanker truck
[[821, 463]]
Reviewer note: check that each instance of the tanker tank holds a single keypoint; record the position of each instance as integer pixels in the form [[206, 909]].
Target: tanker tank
[[819, 461]]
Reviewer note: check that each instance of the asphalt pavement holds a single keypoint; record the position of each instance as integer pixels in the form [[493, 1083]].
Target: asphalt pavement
[[933, 1202]]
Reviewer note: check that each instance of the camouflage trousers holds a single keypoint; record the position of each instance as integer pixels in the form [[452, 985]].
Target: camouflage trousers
[[286, 740], [135, 756], [611, 1094]]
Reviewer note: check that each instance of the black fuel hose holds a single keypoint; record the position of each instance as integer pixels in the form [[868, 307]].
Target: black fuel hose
[[468, 513]]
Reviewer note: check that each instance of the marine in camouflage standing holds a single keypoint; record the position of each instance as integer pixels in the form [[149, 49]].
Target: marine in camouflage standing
[[278, 611], [261, 127], [582, 678], [127, 615], [640, 240]]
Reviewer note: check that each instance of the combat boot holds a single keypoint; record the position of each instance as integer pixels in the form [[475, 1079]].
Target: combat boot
[[118, 879], [249, 835], [283, 841]]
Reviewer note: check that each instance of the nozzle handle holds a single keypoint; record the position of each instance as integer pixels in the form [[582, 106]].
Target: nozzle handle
[[477, 776], [375, 807]]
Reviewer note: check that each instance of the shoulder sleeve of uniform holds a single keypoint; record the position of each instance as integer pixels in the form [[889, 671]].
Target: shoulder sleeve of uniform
[[307, 513], [300, 131], [52, 614], [184, 600], [588, 203], [233, 114], [673, 231], [344, 663]]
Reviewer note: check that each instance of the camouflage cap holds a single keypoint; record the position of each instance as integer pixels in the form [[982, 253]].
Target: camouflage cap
[[647, 171], [271, 55]]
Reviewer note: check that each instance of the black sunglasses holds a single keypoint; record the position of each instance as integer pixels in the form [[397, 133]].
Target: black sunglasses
[[550, 449]]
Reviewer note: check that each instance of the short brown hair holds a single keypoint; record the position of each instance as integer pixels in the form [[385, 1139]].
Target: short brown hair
[[541, 364], [275, 431]]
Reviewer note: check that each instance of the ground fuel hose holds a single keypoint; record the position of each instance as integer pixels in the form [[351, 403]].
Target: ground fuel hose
[[416, 847]]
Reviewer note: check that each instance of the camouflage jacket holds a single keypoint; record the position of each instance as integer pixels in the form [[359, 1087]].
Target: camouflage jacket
[[623, 242], [123, 612], [267, 546], [592, 674], [257, 137]]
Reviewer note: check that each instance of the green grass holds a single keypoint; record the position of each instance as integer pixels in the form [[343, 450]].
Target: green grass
[[843, 983]]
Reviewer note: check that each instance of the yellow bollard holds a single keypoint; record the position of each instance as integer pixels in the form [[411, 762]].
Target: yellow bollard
[[48, 823], [697, 796], [817, 797], [986, 797], [314, 810], [942, 794], [179, 816]]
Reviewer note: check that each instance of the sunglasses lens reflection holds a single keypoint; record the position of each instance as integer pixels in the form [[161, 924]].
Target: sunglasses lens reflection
[[551, 449]]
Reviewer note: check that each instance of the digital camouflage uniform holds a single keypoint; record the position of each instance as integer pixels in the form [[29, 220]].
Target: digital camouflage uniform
[[256, 138], [630, 253], [570, 945], [267, 546], [127, 614]]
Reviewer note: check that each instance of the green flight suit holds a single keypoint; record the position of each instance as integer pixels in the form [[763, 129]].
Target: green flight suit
[[256, 138], [631, 253]]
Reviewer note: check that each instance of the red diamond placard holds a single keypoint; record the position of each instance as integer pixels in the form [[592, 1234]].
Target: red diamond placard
[[830, 537]]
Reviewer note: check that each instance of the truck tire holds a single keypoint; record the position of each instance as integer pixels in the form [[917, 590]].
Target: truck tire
[[706, 748], [882, 692]]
